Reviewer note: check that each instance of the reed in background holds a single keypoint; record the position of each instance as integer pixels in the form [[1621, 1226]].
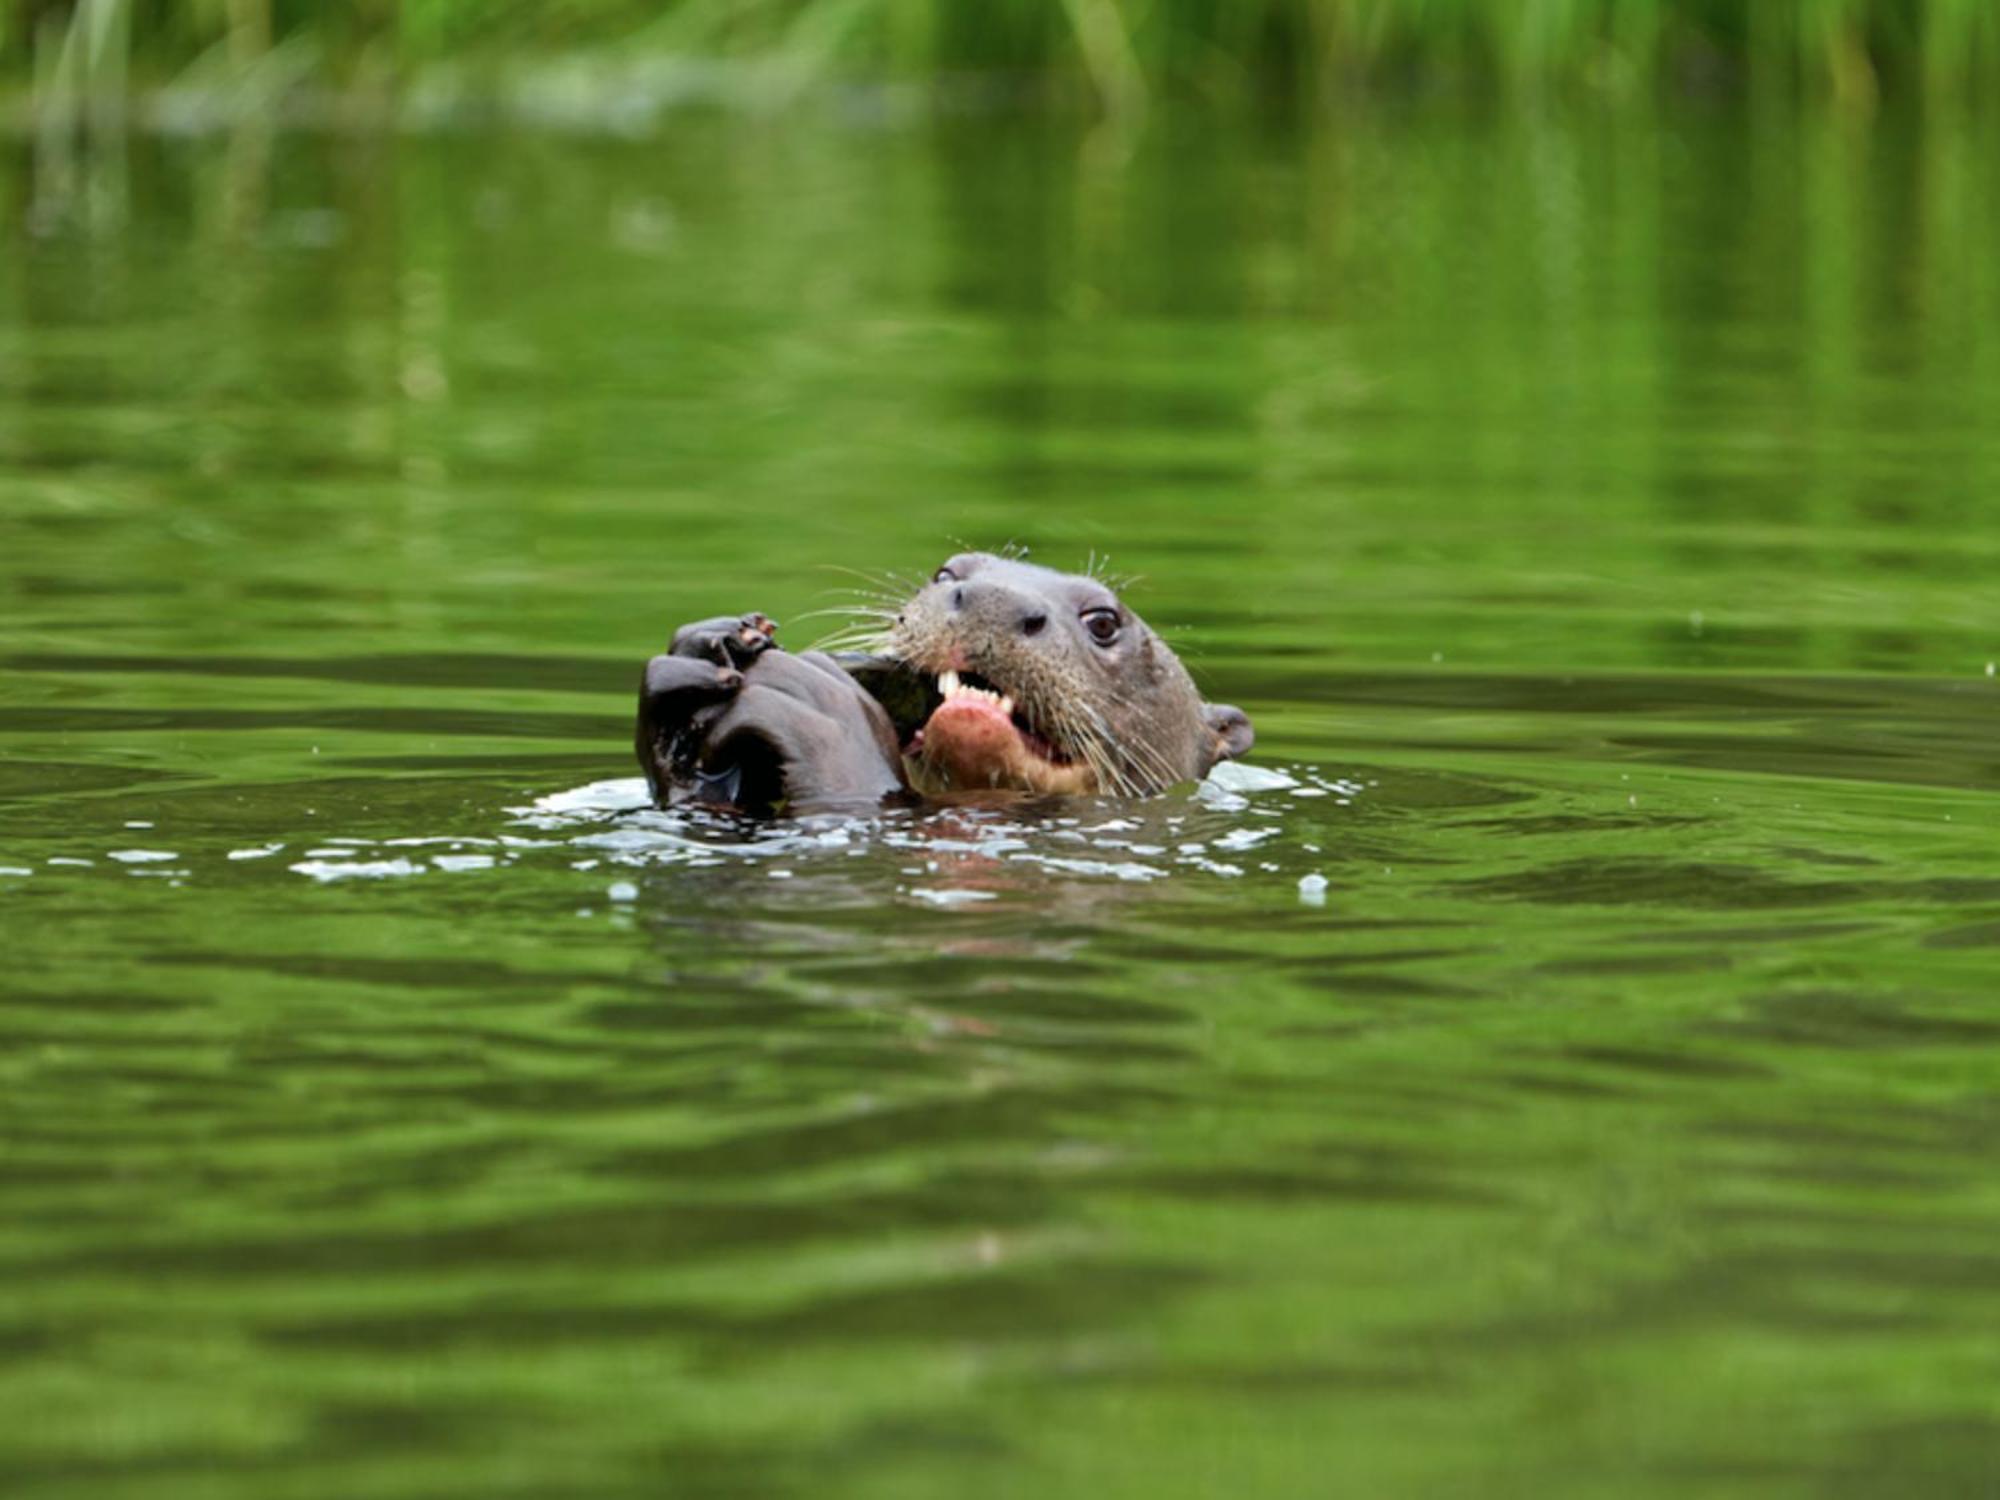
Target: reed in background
[[1122, 52]]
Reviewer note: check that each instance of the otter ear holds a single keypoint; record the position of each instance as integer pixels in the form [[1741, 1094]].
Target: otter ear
[[1229, 733]]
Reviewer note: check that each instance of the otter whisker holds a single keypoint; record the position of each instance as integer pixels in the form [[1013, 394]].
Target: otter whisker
[[867, 596], [1110, 776], [860, 604], [1143, 759], [850, 611], [871, 643], [1148, 758], [1094, 743], [886, 585], [1128, 768]]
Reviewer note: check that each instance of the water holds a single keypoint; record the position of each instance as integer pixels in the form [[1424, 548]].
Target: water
[[1568, 1066]]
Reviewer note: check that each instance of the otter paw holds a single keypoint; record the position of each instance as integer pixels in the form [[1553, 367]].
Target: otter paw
[[679, 698], [727, 640]]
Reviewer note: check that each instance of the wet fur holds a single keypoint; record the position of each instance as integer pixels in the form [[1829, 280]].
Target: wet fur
[[1128, 714]]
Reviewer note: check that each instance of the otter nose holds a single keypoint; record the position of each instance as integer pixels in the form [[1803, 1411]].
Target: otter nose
[[999, 608]]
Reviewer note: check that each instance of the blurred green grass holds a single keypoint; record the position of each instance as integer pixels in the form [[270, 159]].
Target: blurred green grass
[[1122, 51]]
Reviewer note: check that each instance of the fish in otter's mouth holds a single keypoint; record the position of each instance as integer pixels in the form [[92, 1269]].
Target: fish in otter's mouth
[[1017, 676], [979, 735]]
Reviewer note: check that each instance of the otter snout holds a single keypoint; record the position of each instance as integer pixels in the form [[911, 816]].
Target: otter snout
[[997, 609]]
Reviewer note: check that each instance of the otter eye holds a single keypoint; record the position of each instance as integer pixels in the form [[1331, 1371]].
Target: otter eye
[[944, 575], [1102, 625]]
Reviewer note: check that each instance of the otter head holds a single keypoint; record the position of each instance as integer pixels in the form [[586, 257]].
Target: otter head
[[1047, 683]]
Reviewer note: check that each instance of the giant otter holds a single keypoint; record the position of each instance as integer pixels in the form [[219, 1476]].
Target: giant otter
[[995, 674]]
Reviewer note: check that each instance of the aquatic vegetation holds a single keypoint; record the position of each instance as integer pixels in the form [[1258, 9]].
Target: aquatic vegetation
[[1121, 51]]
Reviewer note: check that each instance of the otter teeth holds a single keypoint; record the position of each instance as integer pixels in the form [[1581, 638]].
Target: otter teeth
[[949, 686]]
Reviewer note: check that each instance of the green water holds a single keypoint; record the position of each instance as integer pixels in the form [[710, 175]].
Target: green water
[[1597, 516]]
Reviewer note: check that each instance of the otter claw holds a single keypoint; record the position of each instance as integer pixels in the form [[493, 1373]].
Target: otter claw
[[757, 634], [728, 641]]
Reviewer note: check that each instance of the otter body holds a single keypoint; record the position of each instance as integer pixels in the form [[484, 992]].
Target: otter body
[[997, 674]]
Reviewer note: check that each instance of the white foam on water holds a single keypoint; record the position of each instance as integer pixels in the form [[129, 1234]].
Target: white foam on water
[[1128, 870], [380, 869], [589, 801], [1235, 776], [612, 826], [956, 897], [1245, 838]]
